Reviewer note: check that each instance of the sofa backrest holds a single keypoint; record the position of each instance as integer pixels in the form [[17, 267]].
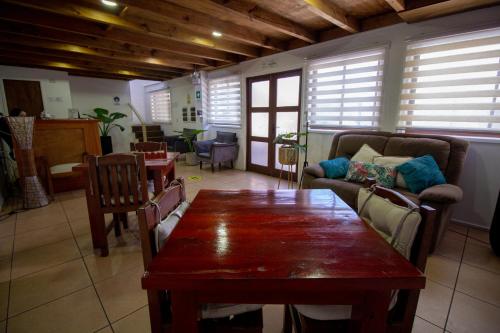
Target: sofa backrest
[[449, 152]]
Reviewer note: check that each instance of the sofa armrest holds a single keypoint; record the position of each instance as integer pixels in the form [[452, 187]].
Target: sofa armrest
[[445, 193], [315, 170]]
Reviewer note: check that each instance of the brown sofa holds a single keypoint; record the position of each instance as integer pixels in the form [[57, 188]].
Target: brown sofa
[[449, 153]]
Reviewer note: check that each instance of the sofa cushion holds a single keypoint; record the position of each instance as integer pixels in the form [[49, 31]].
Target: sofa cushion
[[417, 147], [335, 168], [225, 137], [365, 154], [421, 173], [393, 161], [345, 190], [349, 144], [314, 170], [359, 172]]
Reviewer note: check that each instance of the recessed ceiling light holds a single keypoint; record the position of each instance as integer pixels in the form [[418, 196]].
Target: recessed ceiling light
[[216, 34], [109, 3]]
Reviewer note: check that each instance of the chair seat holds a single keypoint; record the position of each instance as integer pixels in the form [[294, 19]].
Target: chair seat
[[62, 168], [213, 311], [204, 155]]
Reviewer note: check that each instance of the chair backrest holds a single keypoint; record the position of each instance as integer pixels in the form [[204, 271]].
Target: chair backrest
[[404, 310], [152, 213], [148, 146], [118, 181], [226, 137]]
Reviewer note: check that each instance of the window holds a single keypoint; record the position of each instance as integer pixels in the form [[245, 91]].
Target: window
[[345, 91], [224, 106], [452, 83], [159, 103]]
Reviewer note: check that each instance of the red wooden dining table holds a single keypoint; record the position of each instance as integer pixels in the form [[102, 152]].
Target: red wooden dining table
[[278, 247]]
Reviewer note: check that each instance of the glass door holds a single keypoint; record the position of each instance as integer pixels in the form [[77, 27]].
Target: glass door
[[273, 105]]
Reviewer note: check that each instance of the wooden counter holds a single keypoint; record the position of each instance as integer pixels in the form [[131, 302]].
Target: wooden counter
[[62, 141]]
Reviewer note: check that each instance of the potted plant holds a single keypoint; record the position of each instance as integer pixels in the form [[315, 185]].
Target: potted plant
[[188, 139], [289, 151], [106, 123]]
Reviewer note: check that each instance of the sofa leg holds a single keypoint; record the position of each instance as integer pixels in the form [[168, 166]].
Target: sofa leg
[[212, 165], [232, 164], [220, 166], [201, 165]]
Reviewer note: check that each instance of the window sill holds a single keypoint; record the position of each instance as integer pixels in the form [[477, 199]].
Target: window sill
[[226, 126]]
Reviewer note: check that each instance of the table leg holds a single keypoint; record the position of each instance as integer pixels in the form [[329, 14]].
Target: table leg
[[371, 315], [171, 173], [184, 312]]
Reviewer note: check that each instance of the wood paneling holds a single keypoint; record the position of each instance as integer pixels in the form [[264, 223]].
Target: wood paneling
[[26, 95]]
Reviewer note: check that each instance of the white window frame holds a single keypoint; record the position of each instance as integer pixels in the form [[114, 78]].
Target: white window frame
[[451, 84], [363, 116], [166, 120], [215, 114]]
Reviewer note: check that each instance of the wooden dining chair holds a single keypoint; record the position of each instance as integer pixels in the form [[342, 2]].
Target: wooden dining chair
[[164, 211], [117, 185], [412, 238], [148, 146]]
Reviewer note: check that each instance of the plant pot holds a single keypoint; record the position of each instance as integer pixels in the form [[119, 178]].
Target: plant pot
[[106, 145], [288, 155], [191, 158]]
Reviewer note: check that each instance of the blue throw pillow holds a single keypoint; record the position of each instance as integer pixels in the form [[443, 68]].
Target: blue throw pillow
[[335, 168], [421, 173]]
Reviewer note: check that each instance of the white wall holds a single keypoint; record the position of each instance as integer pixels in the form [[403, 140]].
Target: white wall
[[53, 84], [479, 181], [138, 99], [89, 93]]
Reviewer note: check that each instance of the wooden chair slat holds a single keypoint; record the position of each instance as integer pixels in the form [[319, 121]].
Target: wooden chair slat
[[134, 184], [124, 178], [115, 185], [104, 181]]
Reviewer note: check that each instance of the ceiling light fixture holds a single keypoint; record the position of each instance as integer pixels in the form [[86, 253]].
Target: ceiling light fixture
[[216, 34], [109, 3]]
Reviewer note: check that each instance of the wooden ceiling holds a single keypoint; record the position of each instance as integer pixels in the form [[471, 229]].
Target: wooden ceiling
[[163, 39]]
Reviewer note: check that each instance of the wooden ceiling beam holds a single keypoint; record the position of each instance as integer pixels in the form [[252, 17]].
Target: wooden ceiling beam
[[43, 52], [201, 22], [12, 58], [334, 14], [101, 43], [256, 15], [137, 25], [13, 13], [81, 50], [417, 10], [397, 5]]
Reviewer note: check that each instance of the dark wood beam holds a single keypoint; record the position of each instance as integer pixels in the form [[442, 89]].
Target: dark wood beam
[[103, 62], [397, 5], [93, 52], [417, 11], [333, 13], [13, 13], [137, 24], [9, 58], [250, 12], [163, 29], [97, 42], [200, 22]]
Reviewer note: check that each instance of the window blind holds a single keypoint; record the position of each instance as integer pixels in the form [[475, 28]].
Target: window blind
[[345, 91], [224, 106], [159, 103], [452, 83]]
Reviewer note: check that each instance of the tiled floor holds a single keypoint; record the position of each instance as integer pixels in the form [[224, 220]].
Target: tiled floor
[[52, 281]]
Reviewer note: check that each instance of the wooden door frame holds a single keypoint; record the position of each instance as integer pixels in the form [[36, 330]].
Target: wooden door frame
[[272, 109]]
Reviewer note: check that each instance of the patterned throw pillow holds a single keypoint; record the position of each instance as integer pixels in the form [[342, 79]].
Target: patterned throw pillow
[[359, 171]]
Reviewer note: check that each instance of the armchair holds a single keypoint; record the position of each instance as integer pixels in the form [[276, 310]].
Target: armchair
[[224, 148]]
